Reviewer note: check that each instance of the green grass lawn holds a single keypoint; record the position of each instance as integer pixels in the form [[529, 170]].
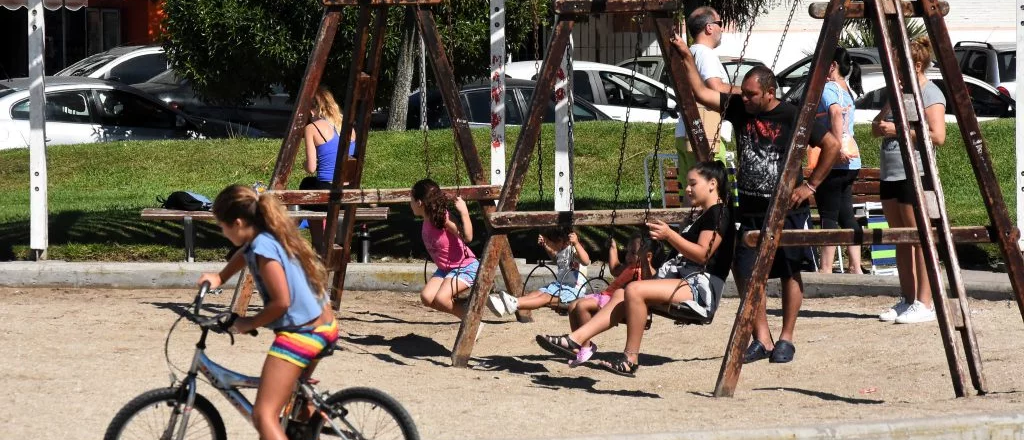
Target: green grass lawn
[[97, 190]]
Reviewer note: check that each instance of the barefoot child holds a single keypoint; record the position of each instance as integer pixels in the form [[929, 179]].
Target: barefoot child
[[456, 263], [563, 246], [642, 257], [291, 282]]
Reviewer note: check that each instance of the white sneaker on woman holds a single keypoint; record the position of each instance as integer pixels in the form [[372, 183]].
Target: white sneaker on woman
[[917, 312], [894, 311]]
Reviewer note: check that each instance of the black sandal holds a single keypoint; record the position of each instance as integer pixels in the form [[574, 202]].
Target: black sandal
[[559, 345], [622, 366]]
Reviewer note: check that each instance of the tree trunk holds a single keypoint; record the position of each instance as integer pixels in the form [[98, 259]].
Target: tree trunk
[[399, 109]]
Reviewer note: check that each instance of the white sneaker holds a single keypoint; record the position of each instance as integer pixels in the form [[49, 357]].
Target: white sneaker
[[916, 313], [496, 305], [511, 303], [479, 329], [894, 311]]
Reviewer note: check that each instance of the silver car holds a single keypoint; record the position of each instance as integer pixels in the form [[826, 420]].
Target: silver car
[[85, 110]]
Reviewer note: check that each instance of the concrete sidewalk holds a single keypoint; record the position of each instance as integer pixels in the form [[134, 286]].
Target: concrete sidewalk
[[409, 277]]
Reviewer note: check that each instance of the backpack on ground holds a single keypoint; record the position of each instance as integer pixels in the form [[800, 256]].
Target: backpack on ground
[[185, 201]]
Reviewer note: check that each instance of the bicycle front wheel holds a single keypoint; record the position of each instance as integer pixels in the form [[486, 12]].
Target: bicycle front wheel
[[150, 415], [366, 413]]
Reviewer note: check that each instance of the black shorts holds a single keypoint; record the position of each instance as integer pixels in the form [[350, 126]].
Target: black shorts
[[312, 182], [901, 190], [789, 260]]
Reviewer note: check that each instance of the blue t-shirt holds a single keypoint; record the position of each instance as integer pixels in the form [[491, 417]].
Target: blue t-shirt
[[834, 94], [304, 306]]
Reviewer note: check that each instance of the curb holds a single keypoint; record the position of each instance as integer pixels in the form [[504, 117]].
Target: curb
[[972, 427], [408, 277]]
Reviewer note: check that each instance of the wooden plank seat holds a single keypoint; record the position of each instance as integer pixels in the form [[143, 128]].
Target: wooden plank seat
[[842, 237], [188, 217]]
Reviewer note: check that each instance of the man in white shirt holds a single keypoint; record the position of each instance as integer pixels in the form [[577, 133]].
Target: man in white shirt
[[705, 28]]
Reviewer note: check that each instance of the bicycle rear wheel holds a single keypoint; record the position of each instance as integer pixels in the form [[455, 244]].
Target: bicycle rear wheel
[[366, 413], [148, 416]]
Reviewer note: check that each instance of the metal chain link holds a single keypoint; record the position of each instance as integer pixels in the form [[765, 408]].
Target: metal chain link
[[784, 32], [540, 131], [732, 80], [625, 123], [423, 106], [569, 101]]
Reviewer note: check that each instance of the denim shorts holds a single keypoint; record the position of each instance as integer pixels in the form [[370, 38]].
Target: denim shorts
[[466, 274], [566, 293]]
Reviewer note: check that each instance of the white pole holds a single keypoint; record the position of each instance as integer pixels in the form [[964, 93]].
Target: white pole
[[497, 92], [1020, 126], [38, 209], [563, 156]]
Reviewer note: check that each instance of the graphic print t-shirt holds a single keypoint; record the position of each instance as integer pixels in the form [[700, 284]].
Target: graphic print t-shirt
[[762, 141]]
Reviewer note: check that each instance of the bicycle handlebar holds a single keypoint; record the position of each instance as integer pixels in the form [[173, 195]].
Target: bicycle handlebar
[[217, 323]]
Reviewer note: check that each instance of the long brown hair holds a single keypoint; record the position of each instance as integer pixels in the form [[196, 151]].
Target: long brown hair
[[921, 51], [435, 202], [326, 107], [266, 213]]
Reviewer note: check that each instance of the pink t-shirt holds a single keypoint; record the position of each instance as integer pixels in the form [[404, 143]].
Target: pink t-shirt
[[446, 249]]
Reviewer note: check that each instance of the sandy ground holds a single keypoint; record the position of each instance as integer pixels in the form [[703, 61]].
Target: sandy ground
[[87, 352]]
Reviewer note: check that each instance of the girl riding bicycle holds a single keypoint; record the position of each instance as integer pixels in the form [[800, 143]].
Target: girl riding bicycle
[[291, 282]]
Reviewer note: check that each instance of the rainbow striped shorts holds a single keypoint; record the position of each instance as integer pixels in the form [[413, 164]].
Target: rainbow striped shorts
[[301, 346]]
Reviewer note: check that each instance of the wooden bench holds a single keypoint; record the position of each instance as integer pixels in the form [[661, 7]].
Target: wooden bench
[[188, 217], [865, 190]]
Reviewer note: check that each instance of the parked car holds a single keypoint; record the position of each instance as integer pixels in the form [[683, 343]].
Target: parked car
[[125, 64], [994, 63], [988, 102], [607, 87], [476, 103], [86, 110], [270, 114], [797, 72], [654, 67]]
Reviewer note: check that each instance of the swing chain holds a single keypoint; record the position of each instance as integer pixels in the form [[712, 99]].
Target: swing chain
[[625, 123], [536, 67], [784, 32], [732, 80], [423, 105], [572, 149]]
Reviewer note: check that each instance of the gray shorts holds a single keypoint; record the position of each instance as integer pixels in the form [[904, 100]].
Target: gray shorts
[[705, 287]]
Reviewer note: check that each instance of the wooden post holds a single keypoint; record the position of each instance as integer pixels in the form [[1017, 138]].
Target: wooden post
[[38, 204], [753, 299], [310, 82], [510, 194], [886, 21], [686, 104]]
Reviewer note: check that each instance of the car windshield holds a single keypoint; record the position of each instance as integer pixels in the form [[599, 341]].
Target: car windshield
[[87, 66], [4, 91], [1008, 66]]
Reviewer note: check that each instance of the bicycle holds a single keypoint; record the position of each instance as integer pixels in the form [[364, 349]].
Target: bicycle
[[179, 411]]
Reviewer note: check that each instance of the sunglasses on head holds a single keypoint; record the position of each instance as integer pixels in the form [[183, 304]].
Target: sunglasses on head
[[718, 22]]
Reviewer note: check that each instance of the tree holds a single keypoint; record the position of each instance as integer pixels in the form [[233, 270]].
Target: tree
[[234, 50], [739, 12], [858, 33]]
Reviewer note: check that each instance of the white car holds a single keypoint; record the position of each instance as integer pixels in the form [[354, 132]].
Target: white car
[[125, 64], [607, 87], [85, 110], [654, 67], [988, 102]]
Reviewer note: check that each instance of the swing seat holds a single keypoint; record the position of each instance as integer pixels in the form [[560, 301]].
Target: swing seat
[[682, 314]]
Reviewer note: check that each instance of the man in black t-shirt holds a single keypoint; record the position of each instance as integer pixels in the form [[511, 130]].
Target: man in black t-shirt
[[764, 128]]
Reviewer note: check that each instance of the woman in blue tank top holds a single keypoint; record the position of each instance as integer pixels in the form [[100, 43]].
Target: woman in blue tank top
[[321, 136]]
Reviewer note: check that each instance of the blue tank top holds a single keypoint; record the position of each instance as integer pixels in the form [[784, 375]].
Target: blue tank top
[[304, 305], [327, 156]]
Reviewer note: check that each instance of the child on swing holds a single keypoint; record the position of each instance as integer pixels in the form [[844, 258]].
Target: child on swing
[[446, 244], [643, 256], [291, 282], [563, 246]]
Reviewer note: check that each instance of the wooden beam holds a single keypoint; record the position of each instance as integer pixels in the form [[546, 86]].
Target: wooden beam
[[856, 9], [846, 237], [507, 220], [310, 82], [587, 7], [388, 196], [686, 104]]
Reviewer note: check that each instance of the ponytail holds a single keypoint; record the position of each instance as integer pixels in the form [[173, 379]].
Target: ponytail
[[848, 69], [266, 213], [435, 202]]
